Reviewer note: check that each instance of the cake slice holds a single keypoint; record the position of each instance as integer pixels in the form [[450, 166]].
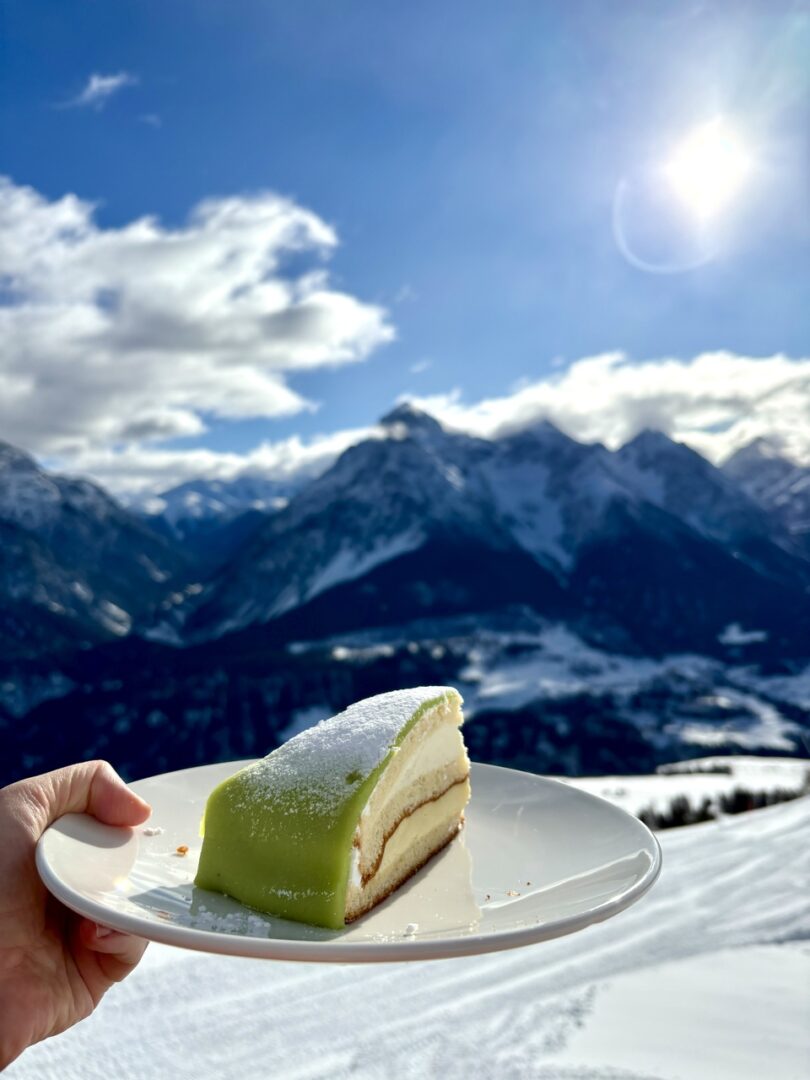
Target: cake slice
[[333, 821]]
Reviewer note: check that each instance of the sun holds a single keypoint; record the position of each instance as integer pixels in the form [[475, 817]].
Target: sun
[[708, 168]]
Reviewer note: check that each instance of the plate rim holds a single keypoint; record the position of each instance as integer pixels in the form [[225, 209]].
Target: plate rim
[[410, 948]]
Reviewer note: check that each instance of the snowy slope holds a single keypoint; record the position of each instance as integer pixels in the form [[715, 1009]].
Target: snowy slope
[[635, 794], [552, 491], [74, 564], [197, 503], [720, 706], [778, 484], [677, 479], [706, 978], [383, 498]]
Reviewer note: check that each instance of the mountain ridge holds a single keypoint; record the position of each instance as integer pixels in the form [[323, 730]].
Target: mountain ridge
[[651, 527], [75, 566], [536, 492]]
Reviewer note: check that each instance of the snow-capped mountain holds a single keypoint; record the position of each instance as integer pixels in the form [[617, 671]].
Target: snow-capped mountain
[[551, 491], [646, 549], [202, 503], [780, 486], [213, 519], [74, 565], [418, 489], [677, 479], [651, 546]]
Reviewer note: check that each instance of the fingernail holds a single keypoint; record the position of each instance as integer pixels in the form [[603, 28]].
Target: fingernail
[[103, 931]]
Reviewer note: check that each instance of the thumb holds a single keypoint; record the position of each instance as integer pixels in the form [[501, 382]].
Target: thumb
[[93, 787]]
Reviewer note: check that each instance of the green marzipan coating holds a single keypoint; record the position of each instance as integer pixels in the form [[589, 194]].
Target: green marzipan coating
[[279, 846]]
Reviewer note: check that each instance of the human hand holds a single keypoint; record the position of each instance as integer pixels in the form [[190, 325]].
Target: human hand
[[55, 966]]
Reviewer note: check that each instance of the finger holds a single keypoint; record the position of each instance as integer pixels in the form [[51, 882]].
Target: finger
[[92, 787], [119, 952]]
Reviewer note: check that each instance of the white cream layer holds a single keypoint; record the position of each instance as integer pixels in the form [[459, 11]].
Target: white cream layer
[[413, 827], [442, 749]]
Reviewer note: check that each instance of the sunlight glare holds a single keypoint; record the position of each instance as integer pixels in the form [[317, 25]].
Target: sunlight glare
[[708, 168]]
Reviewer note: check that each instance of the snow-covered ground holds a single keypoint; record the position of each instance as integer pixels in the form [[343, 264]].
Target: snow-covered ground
[[558, 664], [711, 703], [706, 978], [692, 780]]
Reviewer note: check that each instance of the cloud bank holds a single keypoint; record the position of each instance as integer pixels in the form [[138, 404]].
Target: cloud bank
[[115, 339], [136, 471], [715, 402]]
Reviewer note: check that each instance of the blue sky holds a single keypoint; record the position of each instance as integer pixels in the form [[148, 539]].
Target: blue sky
[[482, 165]]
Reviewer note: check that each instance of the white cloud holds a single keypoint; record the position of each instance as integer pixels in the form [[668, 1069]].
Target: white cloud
[[115, 340], [112, 338], [716, 402], [100, 88], [136, 469]]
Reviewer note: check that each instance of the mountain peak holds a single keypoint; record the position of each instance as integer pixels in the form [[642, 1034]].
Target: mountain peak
[[13, 457], [650, 439], [653, 446], [541, 430], [654, 451], [762, 449], [413, 419]]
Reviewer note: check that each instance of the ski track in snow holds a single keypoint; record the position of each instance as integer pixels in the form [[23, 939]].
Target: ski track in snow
[[706, 978]]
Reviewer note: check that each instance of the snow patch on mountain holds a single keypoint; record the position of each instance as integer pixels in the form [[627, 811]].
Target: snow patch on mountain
[[199, 500], [29, 497], [753, 724], [348, 564], [734, 634], [558, 664], [778, 484], [114, 618], [77, 566], [677, 479], [791, 688], [520, 492]]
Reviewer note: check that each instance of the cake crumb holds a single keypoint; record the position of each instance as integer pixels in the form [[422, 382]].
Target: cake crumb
[[411, 929], [487, 897], [152, 830], [512, 892], [182, 849]]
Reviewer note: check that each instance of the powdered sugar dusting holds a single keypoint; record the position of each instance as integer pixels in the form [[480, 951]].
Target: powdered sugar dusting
[[322, 767]]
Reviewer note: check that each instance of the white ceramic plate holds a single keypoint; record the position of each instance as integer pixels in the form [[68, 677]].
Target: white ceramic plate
[[537, 859]]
